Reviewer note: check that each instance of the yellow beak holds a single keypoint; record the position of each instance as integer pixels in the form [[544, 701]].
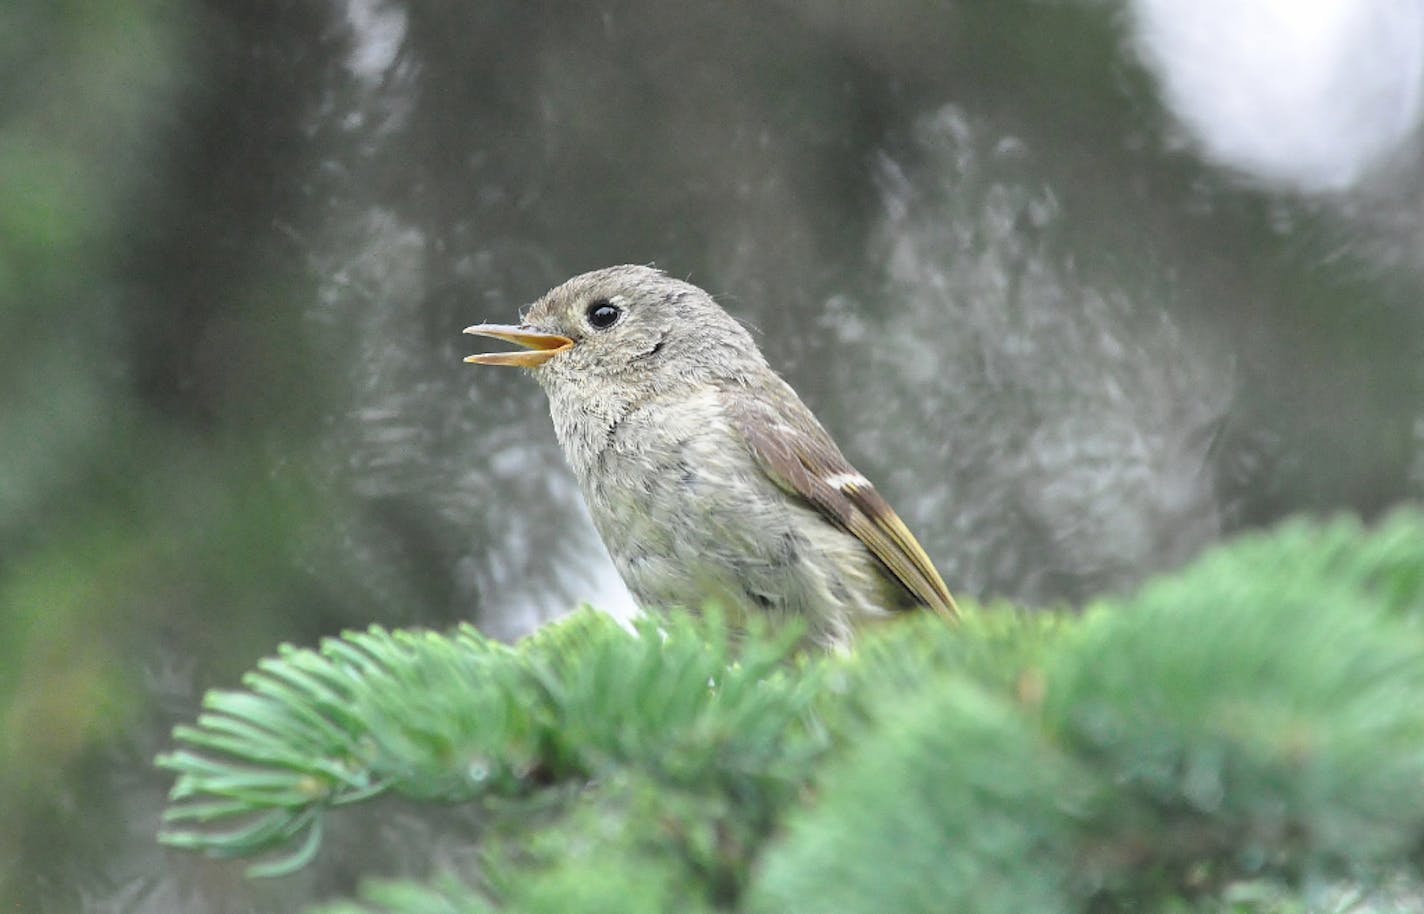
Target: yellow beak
[[542, 346]]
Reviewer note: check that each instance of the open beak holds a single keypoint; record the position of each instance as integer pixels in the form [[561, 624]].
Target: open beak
[[541, 346]]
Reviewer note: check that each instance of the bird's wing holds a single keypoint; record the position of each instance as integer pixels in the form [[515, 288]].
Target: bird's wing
[[798, 455]]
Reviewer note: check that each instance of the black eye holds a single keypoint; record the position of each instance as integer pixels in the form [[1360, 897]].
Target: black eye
[[603, 314]]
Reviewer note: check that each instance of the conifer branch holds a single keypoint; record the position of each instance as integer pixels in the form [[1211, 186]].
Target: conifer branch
[[1248, 725], [453, 717]]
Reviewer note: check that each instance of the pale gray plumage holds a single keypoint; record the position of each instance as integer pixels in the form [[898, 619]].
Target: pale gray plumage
[[706, 476]]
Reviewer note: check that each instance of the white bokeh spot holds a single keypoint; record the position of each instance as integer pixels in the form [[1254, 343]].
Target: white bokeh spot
[[1303, 93]]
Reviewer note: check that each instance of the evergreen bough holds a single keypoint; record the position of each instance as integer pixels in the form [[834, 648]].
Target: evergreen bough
[[1233, 737]]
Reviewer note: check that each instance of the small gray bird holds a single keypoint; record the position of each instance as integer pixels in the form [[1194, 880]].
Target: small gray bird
[[707, 477]]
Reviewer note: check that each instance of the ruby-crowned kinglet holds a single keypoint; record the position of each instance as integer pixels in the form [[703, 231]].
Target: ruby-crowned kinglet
[[707, 477]]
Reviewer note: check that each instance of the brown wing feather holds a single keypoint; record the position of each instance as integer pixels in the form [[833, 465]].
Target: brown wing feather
[[796, 453]]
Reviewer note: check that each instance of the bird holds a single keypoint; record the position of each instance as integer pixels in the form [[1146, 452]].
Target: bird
[[708, 479]]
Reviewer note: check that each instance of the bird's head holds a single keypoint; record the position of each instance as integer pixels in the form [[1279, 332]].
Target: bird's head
[[624, 329]]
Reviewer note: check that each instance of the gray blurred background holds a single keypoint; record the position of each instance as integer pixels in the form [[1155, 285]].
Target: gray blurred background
[[1084, 286]]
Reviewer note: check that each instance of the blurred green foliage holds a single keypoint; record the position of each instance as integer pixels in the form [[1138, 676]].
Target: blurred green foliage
[[119, 519], [78, 102]]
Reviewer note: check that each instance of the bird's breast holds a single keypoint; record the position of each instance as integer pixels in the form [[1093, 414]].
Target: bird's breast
[[689, 518], [672, 479], [668, 460]]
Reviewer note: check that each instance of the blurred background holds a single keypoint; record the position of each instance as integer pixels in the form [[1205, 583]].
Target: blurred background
[[1085, 286]]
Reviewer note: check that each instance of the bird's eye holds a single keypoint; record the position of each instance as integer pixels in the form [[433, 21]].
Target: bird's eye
[[603, 314]]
